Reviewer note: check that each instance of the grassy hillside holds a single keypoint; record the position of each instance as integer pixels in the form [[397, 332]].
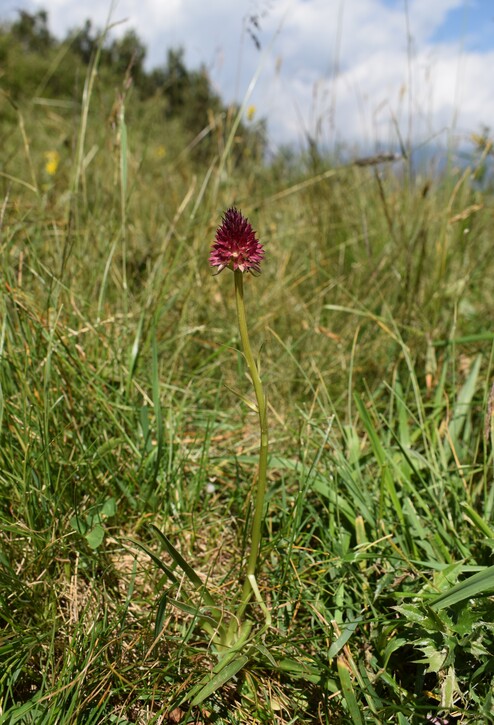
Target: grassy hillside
[[120, 376]]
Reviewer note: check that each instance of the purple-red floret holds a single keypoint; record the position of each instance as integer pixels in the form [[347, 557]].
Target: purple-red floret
[[236, 245]]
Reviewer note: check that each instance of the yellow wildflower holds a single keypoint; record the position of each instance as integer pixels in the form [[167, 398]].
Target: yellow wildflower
[[251, 112], [52, 159]]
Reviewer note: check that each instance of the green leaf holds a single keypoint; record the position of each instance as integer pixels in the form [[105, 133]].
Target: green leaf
[[478, 584], [169, 573], [341, 641], [78, 524], [219, 679], [201, 614], [264, 652], [95, 536], [249, 403], [109, 508], [188, 571], [425, 616], [382, 458], [433, 657], [348, 692], [160, 615], [462, 407], [412, 612], [478, 520], [299, 670], [92, 528], [449, 689]]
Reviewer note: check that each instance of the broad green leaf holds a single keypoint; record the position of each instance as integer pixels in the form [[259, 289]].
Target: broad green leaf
[[95, 536], [78, 524], [109, 508]]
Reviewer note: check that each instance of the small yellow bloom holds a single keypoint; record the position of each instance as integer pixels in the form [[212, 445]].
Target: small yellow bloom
[[52, 159], [161, 152], [251, 112]]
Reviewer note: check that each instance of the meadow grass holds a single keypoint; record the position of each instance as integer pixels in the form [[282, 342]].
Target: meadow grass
[[119, 361]]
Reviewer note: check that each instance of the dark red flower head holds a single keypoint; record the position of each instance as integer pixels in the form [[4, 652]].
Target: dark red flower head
[[235, 245]]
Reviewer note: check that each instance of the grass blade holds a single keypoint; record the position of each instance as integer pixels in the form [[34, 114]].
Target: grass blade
[[220, 678], [348, 692], [476, 585], [188, 571]]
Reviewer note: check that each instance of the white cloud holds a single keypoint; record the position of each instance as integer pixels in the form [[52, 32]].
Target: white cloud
[[346, 69], [353, 73]]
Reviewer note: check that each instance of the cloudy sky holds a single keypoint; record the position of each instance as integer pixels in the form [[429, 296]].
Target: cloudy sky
[[355, 72]]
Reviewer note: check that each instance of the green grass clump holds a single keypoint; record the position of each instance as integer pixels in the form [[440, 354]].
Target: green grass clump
[[118, 355]]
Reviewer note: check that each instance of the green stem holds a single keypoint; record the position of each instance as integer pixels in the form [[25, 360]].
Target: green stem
[[255, 539]]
